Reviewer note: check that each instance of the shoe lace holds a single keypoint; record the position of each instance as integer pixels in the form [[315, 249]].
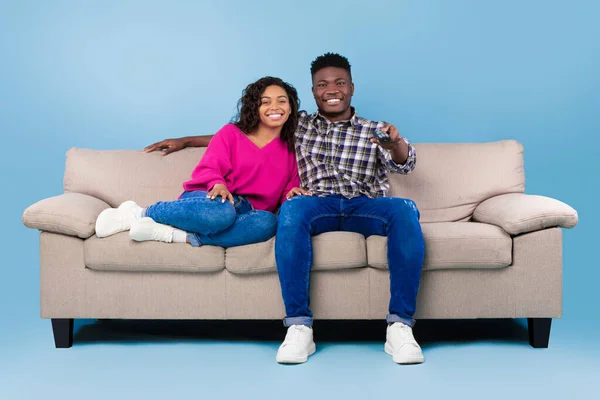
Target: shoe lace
[[293, 333], [404, 331]]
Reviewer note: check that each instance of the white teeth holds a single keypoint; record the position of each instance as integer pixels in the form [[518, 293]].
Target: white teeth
[[333, 101], [274, 116]]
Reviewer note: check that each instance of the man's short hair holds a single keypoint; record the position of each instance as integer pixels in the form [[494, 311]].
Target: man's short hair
[[330, 60]]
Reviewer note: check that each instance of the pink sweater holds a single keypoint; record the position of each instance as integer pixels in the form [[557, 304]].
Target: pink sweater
[[264, 176]]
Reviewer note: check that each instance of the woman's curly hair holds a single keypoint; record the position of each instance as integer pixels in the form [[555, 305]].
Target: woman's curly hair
[[247, 118]]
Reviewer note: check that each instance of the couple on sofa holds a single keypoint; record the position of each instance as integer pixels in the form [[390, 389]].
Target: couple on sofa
[[319, 172]]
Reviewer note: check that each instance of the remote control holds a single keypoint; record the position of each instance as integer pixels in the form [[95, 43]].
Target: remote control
[[382, 136]]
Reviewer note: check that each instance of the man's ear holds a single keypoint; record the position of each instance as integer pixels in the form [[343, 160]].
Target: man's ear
[[352, 89]]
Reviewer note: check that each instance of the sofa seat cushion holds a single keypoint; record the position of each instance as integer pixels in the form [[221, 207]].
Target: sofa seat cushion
[[453, 245], [119, 253], [331, 251]]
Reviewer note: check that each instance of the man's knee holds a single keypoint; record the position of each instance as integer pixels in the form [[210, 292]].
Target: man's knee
[[295, 210], [404, 208]]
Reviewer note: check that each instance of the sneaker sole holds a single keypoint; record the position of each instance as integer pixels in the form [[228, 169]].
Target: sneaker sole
[[409, 360], [297, 360]]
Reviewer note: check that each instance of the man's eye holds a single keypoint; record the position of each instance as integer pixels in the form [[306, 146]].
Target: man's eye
[[341, 83]]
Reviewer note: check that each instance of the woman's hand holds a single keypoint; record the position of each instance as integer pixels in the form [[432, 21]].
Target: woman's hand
[[297, 192], [220, 190], [167, 146]]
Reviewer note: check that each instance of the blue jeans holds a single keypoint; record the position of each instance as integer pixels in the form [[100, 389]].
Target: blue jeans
[[212, 222], [303, 216]]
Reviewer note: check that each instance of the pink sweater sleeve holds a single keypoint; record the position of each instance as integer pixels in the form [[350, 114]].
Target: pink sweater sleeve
[[216, 161], [293, 182]]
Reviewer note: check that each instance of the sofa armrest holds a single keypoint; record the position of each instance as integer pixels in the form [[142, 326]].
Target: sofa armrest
[[72, 214], [521, 213]]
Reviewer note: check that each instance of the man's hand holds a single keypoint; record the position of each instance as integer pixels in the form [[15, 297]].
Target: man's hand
[[395, 137], [297, 192], [397, 146], [220, 190], [167, 146]]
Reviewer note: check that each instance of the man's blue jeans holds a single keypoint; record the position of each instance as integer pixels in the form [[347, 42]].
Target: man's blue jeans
[[212, 222], [304, 216]]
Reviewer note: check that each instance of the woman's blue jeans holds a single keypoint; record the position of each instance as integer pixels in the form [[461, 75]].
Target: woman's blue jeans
[[212, 222]]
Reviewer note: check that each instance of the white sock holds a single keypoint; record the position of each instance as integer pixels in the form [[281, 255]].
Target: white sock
[[179, 236], [147, 229], [137, 212]]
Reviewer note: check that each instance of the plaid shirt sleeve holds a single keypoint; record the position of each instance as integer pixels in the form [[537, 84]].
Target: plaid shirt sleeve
[[386, 159]]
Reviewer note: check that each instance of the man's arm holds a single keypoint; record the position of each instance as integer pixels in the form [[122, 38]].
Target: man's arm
[[400, 152], [401, 157], [169, 146]]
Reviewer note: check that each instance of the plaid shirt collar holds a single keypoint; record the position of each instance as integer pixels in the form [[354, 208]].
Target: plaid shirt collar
[[354, 121]]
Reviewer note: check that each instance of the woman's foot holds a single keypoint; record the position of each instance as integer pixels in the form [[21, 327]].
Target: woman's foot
[[115, 220], [146, 229]]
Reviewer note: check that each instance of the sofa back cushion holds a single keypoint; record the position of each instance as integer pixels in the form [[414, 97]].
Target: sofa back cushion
[[447, 184], [115, 176], [450, 179]]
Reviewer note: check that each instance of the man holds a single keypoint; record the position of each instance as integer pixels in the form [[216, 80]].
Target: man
[[343, 170]]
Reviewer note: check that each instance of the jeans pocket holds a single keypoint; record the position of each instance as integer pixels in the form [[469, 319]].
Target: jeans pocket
[[237, 200], [242, 205]]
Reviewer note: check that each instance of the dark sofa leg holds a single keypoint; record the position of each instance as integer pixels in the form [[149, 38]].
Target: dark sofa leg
[[539, 332], [63, 332]]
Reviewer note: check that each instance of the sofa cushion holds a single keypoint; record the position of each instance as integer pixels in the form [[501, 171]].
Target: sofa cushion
[[519, 213], [119, 253], [450, 180], [331, 251], [72, 214], [115, 176], [452, 245]]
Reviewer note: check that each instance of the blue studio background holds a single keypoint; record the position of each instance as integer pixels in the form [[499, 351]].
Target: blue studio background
[[124, 74]]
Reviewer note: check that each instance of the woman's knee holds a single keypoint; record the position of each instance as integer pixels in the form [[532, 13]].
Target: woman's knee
[[264, 226], [214, 216]]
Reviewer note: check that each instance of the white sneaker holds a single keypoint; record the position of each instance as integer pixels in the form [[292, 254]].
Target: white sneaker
[[147, 229], [297, 346], [115, 220], [401, 344]]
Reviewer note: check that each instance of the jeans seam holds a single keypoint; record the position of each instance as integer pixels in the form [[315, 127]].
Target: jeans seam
[[384, 220], [322, 216]]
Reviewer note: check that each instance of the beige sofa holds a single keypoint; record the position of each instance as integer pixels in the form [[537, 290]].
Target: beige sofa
[[491, 250]]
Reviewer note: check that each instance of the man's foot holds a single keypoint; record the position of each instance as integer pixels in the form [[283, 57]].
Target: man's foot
[[401, 344], [115, 220], [297, 346], [147, 229]]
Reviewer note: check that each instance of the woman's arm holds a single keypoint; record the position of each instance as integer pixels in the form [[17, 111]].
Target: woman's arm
[[169, 146]]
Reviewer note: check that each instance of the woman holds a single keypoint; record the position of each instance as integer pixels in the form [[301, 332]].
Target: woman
[[246, 173]]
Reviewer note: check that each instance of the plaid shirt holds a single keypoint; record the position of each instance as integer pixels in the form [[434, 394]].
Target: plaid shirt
[[338, 157]]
